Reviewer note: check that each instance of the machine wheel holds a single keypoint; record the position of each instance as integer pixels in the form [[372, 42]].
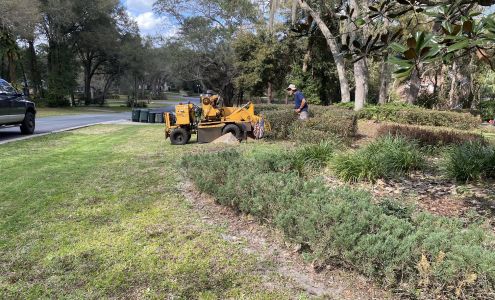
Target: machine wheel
[[179, 136], [29, 123], [234, 129]]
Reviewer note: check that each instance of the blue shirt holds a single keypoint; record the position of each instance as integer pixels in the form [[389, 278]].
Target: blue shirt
[[298, 98]]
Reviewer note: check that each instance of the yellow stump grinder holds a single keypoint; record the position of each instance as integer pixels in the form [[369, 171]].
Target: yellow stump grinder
[[211, 122]]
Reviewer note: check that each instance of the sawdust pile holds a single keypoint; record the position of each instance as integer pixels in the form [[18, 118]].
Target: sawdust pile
[[228, 139]]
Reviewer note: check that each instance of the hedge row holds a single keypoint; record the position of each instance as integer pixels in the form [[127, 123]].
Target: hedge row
[[324, 123], [408, 114], [429, 135], [421, 254]]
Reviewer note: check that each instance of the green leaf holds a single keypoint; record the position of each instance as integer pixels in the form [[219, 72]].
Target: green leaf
[[398, 47], [459, 45], [403, 73], [400, 62], [360, 22]]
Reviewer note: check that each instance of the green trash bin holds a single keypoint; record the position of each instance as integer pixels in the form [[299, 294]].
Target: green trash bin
[[135, 114], [143, 116], [159, 118], [151, 117]]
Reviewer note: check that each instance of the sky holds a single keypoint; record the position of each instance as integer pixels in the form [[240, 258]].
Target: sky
[[148, 22]]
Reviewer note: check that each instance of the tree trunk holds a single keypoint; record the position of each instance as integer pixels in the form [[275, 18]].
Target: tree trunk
[[334, 48], [307, 58], [87, 83], [361, 78], [414, 87], [361, 75], [453, 84], [385, 75], [270, 92], [384, 81], [35, 73]]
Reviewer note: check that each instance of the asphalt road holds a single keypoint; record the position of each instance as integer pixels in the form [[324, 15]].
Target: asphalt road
[[56, 123]]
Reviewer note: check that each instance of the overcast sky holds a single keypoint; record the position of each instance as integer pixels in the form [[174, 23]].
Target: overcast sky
[[149, 23]]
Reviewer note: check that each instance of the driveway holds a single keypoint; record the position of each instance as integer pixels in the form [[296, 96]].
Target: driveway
[[57, 123]]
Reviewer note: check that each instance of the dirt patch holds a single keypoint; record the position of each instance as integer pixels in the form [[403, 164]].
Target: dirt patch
[[270, 246], [435, 194]]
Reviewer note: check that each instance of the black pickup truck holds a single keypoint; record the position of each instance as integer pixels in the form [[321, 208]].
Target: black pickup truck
[[16, 109]]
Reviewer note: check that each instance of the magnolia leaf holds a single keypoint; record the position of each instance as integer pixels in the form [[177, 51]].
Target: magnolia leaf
[[467, 26], [356, 44], [360, 22], [410, 54], [400, 62], [403, 73], [459, 45], [398, 47], [411, 43]]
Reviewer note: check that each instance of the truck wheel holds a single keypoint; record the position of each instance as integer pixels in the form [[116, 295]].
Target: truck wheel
[[234, 129], [29, 123], [179, 136]]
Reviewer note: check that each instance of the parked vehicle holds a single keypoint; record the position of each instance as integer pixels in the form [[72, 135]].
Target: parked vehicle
[[16, 109]]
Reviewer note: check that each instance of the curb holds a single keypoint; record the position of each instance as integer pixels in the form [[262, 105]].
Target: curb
[[57, 131]]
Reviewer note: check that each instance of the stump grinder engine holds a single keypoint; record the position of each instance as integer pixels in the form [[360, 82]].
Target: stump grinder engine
[[211, 122]]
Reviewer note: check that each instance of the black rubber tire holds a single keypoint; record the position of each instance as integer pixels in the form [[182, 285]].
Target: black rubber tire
[[234, 129], [179, 136], [28, 124]]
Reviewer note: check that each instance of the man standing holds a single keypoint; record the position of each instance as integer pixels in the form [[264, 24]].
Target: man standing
[[300, 104]]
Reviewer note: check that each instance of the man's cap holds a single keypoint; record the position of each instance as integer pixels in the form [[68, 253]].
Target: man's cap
[[292, 87]]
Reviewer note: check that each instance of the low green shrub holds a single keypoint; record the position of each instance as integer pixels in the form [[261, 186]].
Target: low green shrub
[[386, 157], [137, 104], [419, 253], [488, 110], [408, 114], [345, 105], [470, 161], [325, 123], [429, 135]]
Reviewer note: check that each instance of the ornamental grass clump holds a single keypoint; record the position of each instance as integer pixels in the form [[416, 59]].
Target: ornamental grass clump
[[384, 158], [471, 161]]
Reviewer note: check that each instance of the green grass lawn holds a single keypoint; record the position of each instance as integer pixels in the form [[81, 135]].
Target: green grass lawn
[[60, 111], [96, 213]]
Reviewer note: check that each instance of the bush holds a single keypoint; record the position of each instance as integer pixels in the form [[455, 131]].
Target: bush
[[324, 123], [423, 254], [429, 135], [488, 110], [386, 157], [136, 104], [470, 161], [408, 114], [345, 105]]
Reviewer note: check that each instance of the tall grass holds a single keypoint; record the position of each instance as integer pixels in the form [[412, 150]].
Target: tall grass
[[470, 161], [386, 157]]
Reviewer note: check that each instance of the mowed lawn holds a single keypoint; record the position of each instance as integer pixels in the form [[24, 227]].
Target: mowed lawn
[[96, 213]]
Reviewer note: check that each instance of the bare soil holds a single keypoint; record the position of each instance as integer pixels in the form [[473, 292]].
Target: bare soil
[[285, 258]]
